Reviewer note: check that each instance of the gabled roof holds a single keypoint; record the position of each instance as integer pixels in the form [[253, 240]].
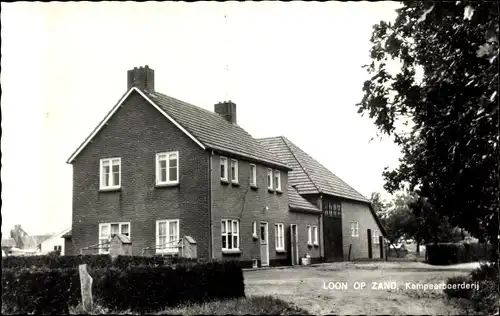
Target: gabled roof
[[58, 235], [207, 129], [298, 203], [8, 243], [308, 175]]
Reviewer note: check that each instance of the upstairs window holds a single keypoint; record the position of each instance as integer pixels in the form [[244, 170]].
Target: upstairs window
[[110, 173], [253, 175], [223, 168], [234, 171], [277, 180], [269, 179], [167, 168]]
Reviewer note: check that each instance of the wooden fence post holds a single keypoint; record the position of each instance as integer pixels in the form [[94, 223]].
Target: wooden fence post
[[86, 287]]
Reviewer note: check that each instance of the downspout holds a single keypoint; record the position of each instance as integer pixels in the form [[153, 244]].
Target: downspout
[[211, 240]]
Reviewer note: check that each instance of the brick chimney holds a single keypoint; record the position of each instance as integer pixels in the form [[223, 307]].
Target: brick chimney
[[227, 110], [142, 78]]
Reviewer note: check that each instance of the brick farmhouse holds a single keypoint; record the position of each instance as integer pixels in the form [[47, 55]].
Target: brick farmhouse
[[157, 169]]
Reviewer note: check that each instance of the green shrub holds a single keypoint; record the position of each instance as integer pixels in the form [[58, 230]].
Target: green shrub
[[137, 288], [458, 292], [54, 262], [453, 253], [487, 298]]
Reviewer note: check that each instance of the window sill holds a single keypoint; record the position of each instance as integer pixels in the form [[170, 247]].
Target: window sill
[[225, 182], [168, 253], [316, 245], [235, 184], [270, 190], [255, 237], [231, 252], [280, 251], [279, 192], [166, 185], [113, 189], [309, 244], [254, 187]]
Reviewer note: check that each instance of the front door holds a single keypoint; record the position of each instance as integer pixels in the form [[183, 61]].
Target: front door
[[264, 244], [294, 244]]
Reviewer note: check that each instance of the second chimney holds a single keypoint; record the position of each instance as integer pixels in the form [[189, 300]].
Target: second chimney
[[227, 110], [142, 78]]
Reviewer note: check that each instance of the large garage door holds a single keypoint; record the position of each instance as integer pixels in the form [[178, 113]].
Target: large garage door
[[332, 230]]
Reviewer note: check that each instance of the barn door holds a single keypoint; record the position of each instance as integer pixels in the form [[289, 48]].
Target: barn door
[[332, 231], [369, 236]]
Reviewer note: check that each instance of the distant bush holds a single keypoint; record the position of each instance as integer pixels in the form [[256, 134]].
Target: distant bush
[[453, 253], [54, 261], [139, 288]]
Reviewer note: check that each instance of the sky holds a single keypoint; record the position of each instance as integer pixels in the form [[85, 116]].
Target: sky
[[292, 68]]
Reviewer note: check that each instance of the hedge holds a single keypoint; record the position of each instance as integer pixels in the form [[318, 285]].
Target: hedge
[[96, 261], [136, 288], [453, 253]]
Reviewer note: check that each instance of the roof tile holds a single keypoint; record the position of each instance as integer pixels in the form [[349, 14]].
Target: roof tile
[[308, 175]]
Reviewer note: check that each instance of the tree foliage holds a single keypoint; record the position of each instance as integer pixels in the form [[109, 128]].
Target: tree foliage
[[441, 107]]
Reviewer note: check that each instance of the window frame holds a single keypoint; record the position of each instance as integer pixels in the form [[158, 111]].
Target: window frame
[[315, 235], [253, 174], [254, 230], [376, 235], [277, 234], [110, 175], [167, 168], [270, 179], [236, 172], [225, 164], [166, 249], [354, 229], [309, 235], [229, 223], [99, 238], [277, 176]]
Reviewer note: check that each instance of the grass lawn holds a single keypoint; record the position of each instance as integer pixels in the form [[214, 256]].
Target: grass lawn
[[254, 305]]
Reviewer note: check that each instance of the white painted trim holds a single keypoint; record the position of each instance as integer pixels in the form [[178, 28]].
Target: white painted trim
[[253, 174], [270, 177], [111, 187], [277, 176], [119, 230], [113, 111], [167, 175], [226, 167], [266, 224], [276, 235], [235, 180], [167, 227], [230, 222]]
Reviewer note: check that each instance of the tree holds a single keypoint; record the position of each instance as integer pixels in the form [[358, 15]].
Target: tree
[[441, 107]]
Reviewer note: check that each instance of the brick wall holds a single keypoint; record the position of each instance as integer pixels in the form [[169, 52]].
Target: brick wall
[[248, 205], [360, 212], [136, 133]]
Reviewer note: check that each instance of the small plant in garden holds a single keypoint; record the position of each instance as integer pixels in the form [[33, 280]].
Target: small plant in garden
[[458, 292]]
